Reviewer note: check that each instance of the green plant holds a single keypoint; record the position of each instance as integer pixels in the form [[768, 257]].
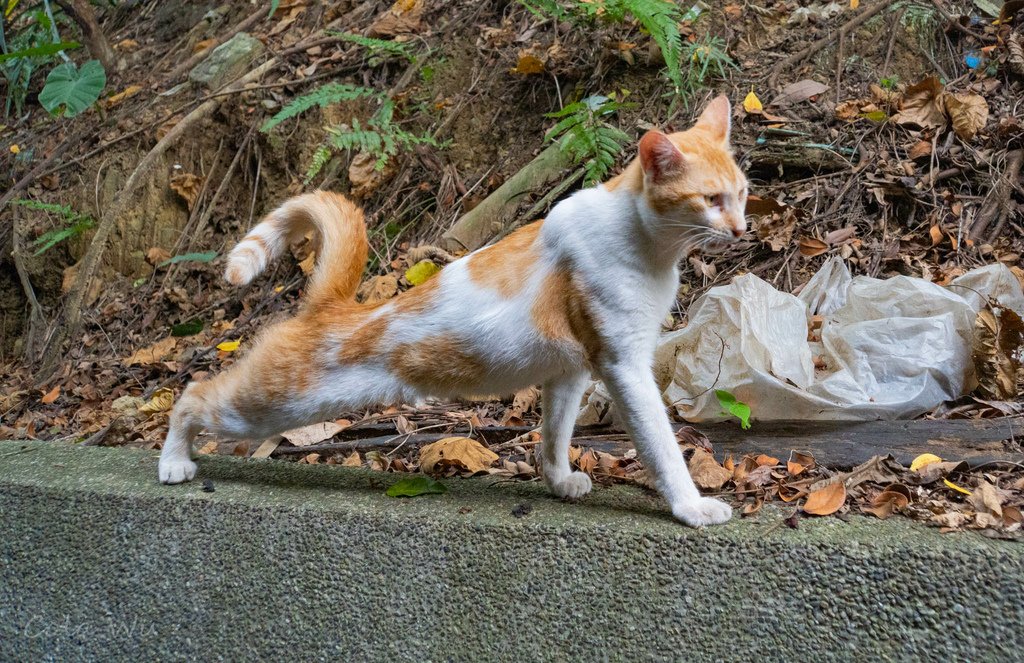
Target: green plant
[[736, 408], [34, 43], [380, 137], [922, 22], [72, 224], [380, 50], [587, 137], [704, 58]]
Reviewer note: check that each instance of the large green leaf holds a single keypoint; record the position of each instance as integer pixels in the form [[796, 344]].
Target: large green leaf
[[73, 89]]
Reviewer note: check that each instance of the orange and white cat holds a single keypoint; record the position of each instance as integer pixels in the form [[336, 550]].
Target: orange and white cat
[[586, 289]]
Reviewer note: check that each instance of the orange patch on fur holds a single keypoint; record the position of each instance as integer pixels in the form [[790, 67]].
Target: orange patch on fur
[[362, 343], [504, 267], [438, 361], [631, 179], [561, 312]]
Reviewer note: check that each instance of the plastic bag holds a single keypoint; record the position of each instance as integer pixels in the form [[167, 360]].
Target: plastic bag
[[887, 349]]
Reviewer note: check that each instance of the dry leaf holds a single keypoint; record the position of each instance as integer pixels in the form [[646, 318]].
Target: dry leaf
[[987, 498], [188, 187], [50, 396], [162, 401], [799, 91], [378, 289], [794, 469], [826, 500], [810, 247], [228, 346], [366, 177], [461, 453], [923, 105], [920, 150], [266, 449], [764, 459], [953, 486], [968, 113], [353, 460], [588, 461], [208, 448], [307, 435], [706, 472], [152, 354], [156, 255], [128, 92], [998, 340], [404, 17]]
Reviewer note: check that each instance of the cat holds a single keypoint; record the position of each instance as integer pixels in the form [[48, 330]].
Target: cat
[[585, 289]]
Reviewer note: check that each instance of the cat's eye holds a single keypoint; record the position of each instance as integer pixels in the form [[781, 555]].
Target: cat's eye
[[714, 200]]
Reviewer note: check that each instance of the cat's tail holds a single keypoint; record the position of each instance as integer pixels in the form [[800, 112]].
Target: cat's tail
[[341, 250]]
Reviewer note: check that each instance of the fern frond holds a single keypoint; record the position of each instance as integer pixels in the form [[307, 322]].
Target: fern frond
[[324, 95], [377, 47], [320, 159]]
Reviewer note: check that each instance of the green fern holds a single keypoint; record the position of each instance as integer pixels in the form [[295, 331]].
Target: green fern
[[659, 18], [380, 49], [325, 95], [588, 138], [705, 57], [74, 224]]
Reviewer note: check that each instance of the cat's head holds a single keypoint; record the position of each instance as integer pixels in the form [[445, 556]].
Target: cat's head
[[692, 183]]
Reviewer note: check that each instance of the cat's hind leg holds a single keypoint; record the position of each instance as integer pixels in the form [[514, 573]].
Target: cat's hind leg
[[560, 405]]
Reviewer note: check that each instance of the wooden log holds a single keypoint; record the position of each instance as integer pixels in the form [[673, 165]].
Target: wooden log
[[501, 210]]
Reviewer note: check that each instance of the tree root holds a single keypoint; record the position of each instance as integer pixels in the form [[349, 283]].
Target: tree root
[[997, 206]]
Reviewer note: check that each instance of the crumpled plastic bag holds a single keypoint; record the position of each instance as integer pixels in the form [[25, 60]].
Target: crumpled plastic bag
[[888, 349]]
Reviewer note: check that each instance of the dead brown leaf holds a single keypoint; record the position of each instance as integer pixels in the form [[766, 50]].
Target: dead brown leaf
[[706, 472], [811, 246], [50, 396], [404, 17], [378, 289], [156, 255], [366, 177], [307, 435], [152, 354], [968, 113], [988, 499], [923, 105], [998, 340], [460, 453], [188, 186], [827, 500], [528, 64], [353, 460], [797, 92]]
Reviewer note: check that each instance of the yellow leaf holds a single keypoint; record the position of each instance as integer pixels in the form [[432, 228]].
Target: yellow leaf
[[950, 484], [854, 4], [528, 64], [922, 460], [162, 401], [15, 149], [228, 346], [461, 453], [421, 272], [129, 91], [751, 103]]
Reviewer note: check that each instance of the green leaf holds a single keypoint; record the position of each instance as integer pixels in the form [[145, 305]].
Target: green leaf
[[190, 328], [72, 88], [273, 7], [40, 51], [734, 407], [205, 256], [420, 272], [416, 486]]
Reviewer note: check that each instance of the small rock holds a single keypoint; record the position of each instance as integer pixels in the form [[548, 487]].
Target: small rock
[[229, 61], [208, 486], [522, 510]]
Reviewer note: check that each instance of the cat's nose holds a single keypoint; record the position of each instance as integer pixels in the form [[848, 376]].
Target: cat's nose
[[738, 232]]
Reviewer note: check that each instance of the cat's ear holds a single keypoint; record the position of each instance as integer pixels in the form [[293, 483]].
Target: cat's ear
[[717, 118], [659, 156]]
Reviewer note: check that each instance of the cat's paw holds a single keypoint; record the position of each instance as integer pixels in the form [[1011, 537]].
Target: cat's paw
[[704, 511], [573, 486], [176, 471]]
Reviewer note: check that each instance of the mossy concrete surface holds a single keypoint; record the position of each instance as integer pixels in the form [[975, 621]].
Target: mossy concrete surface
[[292, 562]]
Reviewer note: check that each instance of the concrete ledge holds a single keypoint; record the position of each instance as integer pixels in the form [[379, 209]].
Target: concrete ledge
[[293, 562]]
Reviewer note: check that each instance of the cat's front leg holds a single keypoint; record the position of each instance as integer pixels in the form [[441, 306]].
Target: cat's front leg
[[632, 386], [561, 404]]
